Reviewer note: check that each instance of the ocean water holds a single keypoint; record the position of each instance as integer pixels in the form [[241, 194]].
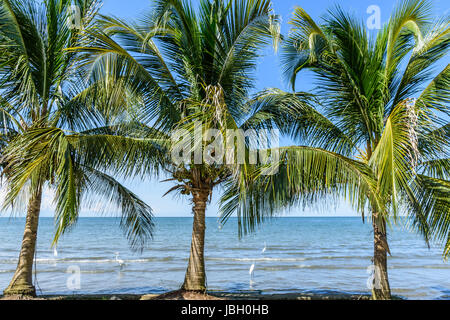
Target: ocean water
[[302, 254]]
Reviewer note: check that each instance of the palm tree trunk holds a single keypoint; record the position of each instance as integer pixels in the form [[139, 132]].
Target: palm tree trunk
[[381, 289], [195, 279], [22, 281]]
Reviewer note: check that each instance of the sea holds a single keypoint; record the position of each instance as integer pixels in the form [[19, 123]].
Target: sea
[[288, 254]]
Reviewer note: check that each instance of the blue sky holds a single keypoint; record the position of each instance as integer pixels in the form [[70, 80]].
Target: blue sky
[[268, 75]]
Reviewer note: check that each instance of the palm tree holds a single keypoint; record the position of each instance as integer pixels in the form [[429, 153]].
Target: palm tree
[[48, 113], [380, 134], [189, 70]]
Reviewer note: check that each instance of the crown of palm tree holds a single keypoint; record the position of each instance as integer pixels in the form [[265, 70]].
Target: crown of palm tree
[[49, 111], [183, 67]]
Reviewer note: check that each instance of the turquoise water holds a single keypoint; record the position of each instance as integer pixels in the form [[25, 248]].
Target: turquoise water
[[302, 254]]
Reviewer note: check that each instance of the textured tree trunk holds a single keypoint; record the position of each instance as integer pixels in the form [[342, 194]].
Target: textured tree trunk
[[195, 279], [22, 281], [381, 289]]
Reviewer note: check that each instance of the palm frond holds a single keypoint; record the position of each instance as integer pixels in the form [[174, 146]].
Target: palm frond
[[396, 156], [433, 195], [302, 175], [136, 215]]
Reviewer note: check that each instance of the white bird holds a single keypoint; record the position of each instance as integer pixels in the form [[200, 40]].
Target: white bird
[[119, 261], [250, 271], [252, 268], [55, 252], [265, 248]]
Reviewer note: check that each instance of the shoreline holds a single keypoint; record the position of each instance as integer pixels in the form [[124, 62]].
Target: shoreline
[[210, 295]]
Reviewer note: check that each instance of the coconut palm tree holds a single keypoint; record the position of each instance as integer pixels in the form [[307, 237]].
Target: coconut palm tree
[[190, 70], [379, 137], [47, 112]]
